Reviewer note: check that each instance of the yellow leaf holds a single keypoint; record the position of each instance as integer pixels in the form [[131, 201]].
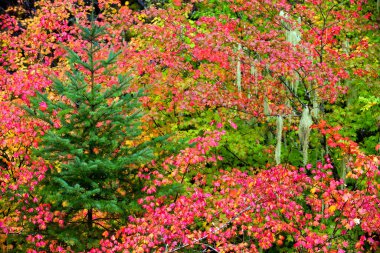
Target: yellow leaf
[[332, 208]]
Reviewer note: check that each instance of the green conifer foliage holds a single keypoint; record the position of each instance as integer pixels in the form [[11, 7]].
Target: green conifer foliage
[[93, 176]]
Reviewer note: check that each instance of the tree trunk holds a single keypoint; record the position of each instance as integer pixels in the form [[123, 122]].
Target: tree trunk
[[89, 219]]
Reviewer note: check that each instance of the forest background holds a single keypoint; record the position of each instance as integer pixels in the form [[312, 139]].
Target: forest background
[[189, 126]]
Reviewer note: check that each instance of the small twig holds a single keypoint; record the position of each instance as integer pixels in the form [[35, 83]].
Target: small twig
[[183, 178], [226, 147], [209, 247], [291, 91]]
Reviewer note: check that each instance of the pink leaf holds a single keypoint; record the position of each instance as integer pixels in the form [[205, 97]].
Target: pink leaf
[[43, 106], [233, 125]]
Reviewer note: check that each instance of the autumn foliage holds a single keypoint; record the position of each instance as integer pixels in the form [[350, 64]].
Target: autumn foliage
[[261, 119]]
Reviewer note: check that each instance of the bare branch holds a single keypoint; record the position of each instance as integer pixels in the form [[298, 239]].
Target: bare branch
[[212, 231]]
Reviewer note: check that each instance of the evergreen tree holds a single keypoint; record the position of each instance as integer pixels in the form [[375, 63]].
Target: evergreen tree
[[93, 176]]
